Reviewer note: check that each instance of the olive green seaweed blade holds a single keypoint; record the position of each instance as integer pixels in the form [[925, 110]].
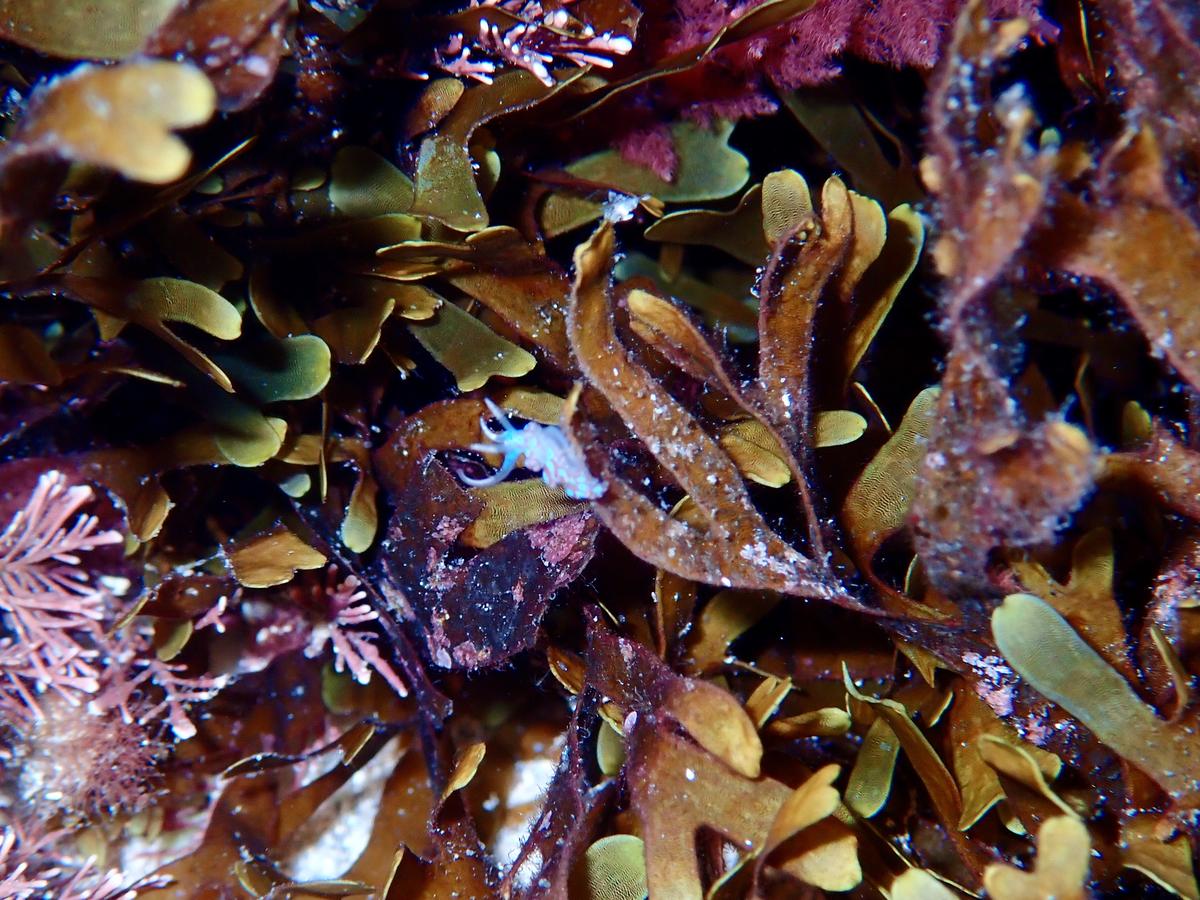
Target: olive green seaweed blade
[[1047, 652]]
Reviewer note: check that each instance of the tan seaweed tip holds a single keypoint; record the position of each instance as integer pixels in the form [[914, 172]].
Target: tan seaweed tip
[[121, 117]]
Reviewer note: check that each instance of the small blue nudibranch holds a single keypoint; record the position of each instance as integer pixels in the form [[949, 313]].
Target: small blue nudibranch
[[545, 449]]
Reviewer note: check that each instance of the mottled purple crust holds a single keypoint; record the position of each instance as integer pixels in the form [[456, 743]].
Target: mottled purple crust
[[545, 449], [474, 612]]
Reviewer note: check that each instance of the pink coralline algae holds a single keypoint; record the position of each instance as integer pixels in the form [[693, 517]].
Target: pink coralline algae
[[353, 648], [58, 622], [521, 34], [51, 610], [29, 869], [178, 690]]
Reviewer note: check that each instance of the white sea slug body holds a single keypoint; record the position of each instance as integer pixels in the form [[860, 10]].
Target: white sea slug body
[[545, 449]]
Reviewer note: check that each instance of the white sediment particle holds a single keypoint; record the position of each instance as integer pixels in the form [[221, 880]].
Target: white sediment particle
[[338, 832]]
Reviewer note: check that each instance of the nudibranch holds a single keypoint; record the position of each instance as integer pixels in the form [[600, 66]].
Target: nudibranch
[[544, 448]]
